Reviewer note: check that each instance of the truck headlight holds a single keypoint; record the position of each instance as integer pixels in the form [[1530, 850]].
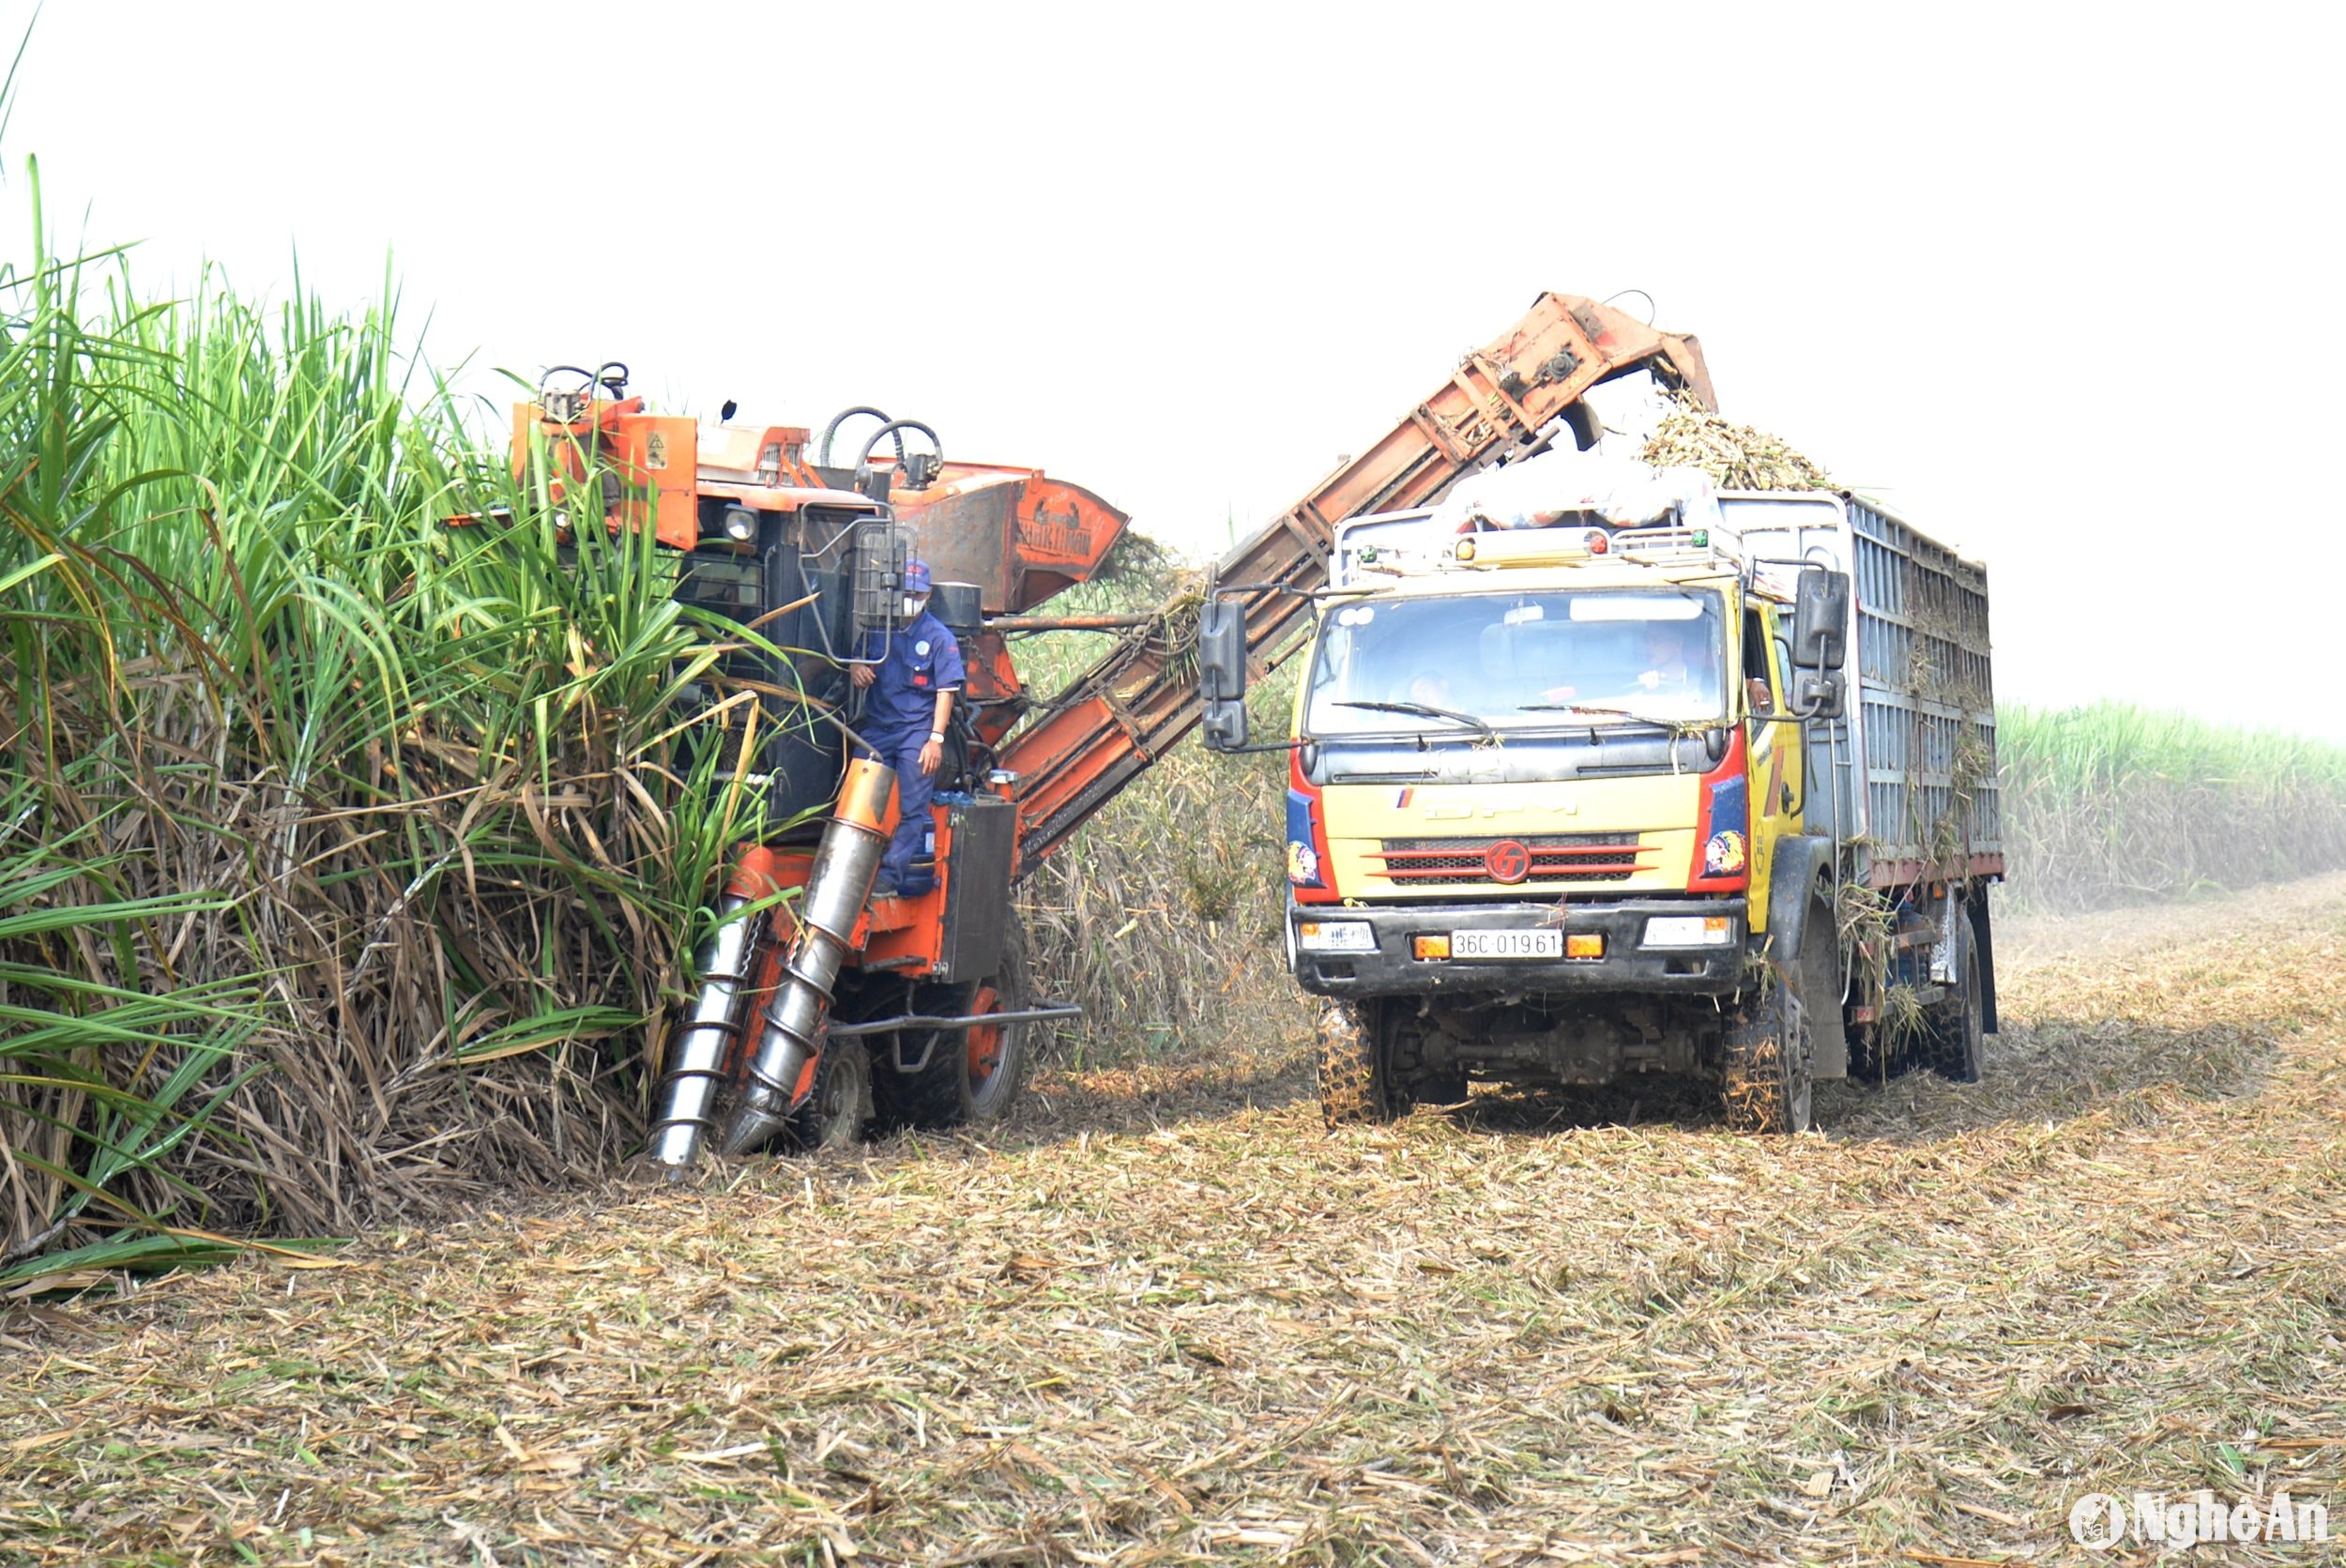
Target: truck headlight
[[1689, 931], [1335, 936]]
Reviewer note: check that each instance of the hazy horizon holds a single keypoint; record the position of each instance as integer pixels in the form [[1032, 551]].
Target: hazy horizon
[[2049, 287]]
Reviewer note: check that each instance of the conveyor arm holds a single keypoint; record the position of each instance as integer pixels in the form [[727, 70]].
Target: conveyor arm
[[1131, 707]]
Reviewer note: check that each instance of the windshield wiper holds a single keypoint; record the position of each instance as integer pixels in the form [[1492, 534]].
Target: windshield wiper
[[1427, 710], [1671, 725]]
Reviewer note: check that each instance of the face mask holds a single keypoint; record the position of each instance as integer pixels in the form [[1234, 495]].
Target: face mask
[[912, 606]]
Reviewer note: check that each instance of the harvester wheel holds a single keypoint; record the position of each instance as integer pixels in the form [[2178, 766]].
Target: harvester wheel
[[1767, 1085], [972, 1076], [1951, 1044], [840, 1106], [1355, 1067]]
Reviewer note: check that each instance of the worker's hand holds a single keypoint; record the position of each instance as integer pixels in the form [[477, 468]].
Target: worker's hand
[[859, 674], [932, 756]]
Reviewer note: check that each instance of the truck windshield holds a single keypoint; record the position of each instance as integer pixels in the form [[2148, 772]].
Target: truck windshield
[[1477, 662]]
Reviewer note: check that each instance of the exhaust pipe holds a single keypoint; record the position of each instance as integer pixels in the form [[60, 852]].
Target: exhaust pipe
[[838, 887], [684, 1111]]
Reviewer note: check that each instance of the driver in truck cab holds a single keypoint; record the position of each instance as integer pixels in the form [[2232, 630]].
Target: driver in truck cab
[[908, 678], [1667, 669]]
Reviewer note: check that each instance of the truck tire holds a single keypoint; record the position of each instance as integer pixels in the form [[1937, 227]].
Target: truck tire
[[1766, 1084], [1355, 1067], [1951, 1045], [1821, 991], [972, 1077]]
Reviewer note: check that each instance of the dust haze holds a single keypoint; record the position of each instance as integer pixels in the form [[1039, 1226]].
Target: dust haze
[[2054, 284]]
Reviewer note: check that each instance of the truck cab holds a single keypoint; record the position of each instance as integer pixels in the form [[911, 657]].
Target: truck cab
[[1536, 728]]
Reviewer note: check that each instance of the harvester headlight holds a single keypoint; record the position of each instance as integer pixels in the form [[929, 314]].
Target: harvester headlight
[[740, 524]]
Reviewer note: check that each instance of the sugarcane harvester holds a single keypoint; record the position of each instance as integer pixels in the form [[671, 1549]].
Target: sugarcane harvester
[[821, 1007]]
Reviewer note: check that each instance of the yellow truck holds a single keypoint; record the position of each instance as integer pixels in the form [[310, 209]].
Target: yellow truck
[[1598, 772]]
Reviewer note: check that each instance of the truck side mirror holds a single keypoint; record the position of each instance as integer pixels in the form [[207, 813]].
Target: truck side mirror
[[1221, 652], [1820, 693], [1820, 619], [1226, 724]]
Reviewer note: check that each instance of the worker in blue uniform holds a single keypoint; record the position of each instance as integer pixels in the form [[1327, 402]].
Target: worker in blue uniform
[[908, 678]]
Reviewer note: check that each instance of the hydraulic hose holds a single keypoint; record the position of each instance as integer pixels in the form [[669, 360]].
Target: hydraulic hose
[[822, 453]]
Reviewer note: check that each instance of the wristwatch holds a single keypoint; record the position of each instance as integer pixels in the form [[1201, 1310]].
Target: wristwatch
[[937, 736]]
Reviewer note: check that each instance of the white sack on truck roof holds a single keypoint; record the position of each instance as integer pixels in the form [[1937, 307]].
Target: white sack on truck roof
[[1570, 486]]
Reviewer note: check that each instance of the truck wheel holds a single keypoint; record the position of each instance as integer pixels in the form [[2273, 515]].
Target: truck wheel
[[1355, 1070], [972, 1076], [1767, 1087], [1951, 1044], [1821, 991], [840, 1107]]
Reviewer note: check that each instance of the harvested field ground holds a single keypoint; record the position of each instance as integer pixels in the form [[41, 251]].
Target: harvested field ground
[[1165, 1319]]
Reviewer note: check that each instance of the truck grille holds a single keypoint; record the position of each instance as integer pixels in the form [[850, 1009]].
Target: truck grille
[[1555, 858]]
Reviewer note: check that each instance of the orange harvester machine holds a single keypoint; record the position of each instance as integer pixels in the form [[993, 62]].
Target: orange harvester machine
[[827, 1008]]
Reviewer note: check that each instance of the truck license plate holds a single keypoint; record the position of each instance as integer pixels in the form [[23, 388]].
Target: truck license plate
[[1506, 944]]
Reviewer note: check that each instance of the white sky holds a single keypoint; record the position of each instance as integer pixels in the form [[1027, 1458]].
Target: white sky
[[2058, 283]]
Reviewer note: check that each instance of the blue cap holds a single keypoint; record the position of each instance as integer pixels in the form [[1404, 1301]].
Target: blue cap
[[917, 577]]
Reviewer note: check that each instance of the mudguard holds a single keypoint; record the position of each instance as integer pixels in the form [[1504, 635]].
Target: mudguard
[[1802, 865], [1984, 933]]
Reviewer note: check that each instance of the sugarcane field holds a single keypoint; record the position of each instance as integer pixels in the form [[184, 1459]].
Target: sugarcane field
[[888, 818]]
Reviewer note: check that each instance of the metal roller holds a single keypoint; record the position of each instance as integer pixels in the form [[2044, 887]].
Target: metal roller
[[838, 887], [685, 1110]]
